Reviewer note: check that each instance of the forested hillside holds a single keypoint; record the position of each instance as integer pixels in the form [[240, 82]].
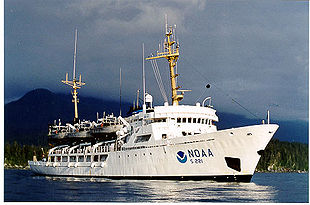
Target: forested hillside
[[284, 157], [17, 155]]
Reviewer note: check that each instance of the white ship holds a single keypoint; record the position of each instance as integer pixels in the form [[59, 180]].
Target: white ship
[[166, 142]]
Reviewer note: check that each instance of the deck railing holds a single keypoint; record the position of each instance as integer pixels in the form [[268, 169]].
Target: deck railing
[[99, 149]]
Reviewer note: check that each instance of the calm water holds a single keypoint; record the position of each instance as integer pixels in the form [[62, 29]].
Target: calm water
[[22, 185]]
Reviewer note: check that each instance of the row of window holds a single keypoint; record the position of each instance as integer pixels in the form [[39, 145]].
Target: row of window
[[96, 158], [194, 120], [87, 158], [187, 120], [182, 120]]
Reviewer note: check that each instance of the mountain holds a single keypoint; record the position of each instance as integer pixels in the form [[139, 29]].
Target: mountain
[[26, 120]]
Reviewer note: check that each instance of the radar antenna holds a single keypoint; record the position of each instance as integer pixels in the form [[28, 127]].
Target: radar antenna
[[74, 83]]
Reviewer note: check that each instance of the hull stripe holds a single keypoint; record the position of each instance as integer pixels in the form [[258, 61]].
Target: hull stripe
[[219, 178]]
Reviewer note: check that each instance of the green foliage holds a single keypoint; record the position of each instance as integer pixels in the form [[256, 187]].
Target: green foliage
[[16, 154], [284, 157]]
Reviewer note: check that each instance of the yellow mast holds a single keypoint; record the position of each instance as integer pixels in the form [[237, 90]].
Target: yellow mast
[[74, 83], [171, 53]]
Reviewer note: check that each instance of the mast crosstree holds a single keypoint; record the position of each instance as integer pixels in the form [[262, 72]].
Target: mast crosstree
[[74, 83]]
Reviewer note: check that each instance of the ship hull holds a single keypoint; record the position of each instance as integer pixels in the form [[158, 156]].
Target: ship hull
[[227, 155]]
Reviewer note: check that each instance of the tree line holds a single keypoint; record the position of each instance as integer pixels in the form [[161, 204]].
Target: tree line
[[278, 156], [284, 157], [17, 155]]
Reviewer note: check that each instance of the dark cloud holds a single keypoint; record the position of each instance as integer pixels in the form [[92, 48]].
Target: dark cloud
[[253, 51]]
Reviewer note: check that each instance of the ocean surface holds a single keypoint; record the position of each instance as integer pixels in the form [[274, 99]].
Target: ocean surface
[[22, 185]]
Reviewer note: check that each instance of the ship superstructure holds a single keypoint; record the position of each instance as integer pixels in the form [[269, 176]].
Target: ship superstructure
[[166, 142]]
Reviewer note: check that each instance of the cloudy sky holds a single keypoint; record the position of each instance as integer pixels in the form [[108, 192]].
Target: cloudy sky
[[252, 52]]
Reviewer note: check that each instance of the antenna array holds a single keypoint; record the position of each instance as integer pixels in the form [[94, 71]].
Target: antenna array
[[170, 51], [74, 83]]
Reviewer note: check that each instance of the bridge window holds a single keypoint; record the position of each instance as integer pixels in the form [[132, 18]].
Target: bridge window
[[64, 158], [202, 121], [184, 120], [160, 120], [178, 120], [198, 121], [96, 158], [88, 158], [72, 158], [189, 120], [142, 138], [81, 159], [194, 120]]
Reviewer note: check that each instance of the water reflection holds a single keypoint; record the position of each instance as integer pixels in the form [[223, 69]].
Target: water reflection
[[163, 190], [206, 191]]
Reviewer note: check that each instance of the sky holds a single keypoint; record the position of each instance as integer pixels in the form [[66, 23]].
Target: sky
[[254, 54]]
